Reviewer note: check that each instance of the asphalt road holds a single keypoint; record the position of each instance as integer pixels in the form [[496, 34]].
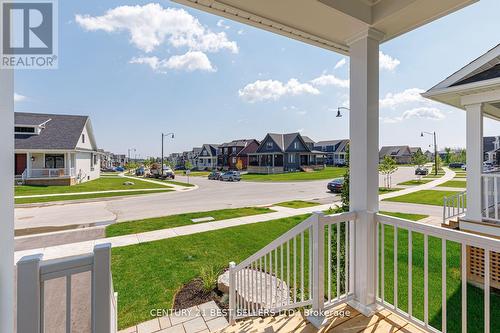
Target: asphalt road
[[211, 195]]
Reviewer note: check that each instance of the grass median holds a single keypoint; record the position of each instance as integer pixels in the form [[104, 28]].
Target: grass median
[[454, 183], [425, 197], [297, 204], [145, 225]]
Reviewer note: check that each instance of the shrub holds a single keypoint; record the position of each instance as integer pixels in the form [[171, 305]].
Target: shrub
[[208, 276]]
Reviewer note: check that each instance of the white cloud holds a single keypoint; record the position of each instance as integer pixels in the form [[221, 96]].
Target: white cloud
[[151, 25], [429, 113], [407, 96], [190, 61], [241, 32], [274, 89], [19, 97], [387, 62], [330, 80], [340, 63], [222, 24]]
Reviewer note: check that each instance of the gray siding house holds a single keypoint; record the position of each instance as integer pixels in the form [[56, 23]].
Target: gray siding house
[[401, 154], [289, 152], [335, 151]]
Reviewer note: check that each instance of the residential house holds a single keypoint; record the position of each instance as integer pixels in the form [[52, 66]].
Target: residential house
[[414, 150], [401, 154], [54, 149], [335, 150], [280, 153], [491, 149], [193, 156], [119, 160], [234, 155], [207, 159], [106, 159]]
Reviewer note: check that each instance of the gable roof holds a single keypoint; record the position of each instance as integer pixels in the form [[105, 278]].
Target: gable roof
[[394, 151], [479, 76], [339, 145], [210, 148], [237, 143], [60, 132], [413, 150], [489, 143]]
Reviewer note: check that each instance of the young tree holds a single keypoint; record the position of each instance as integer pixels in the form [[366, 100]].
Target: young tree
[[345, 187], [447, 155], [387, 168], [188, 165]]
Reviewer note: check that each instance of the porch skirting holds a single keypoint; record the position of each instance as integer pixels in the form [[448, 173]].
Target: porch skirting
[[265, 169]]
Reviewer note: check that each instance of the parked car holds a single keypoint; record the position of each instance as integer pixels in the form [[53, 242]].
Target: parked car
[[230, 176], [119, 169], [455, 165], [464, 167], [214, 175], [139, 171], [421, 171], [336, 185]]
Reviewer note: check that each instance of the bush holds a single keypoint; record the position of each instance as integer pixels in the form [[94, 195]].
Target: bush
[[209, 275]]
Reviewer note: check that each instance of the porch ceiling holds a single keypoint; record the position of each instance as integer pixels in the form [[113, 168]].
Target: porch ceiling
[[331, 24]]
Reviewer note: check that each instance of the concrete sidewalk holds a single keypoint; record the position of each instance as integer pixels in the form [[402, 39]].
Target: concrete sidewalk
[[449, 175], [72, 249]]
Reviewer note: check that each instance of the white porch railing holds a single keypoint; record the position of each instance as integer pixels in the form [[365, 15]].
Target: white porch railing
[[312, 265], [491, 199], [33, 274], [454, 205], [290, 272], [51, 173], [399, 230]]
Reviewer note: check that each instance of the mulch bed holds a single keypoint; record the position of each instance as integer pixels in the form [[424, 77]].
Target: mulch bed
[[192, 294]]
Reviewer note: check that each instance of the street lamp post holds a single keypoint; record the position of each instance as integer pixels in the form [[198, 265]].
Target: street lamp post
[[163, 135], [435, 150], [341, 108]]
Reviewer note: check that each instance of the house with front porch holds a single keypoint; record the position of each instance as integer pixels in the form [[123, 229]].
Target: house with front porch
[[54, 149], [288, 152], [401, 154], [335, 151], [207, 159]]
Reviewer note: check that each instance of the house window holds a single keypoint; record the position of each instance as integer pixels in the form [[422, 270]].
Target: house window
[[234, 160], [296, 145], [95, 159], [54, 161], [291, 158], [269, 145], [83, 138]]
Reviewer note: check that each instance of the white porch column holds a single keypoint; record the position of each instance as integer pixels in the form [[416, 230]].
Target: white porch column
[[364, 132], [7, 201], [474, 147]]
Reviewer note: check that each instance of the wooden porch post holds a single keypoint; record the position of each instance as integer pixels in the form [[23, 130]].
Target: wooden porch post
[[364, 132]]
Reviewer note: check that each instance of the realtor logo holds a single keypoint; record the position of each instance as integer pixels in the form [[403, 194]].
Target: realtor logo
[[28, 34]]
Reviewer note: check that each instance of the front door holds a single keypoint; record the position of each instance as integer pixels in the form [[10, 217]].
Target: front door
[[20, 164]]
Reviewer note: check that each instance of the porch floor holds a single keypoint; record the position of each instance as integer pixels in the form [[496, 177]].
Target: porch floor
[[382, 322]]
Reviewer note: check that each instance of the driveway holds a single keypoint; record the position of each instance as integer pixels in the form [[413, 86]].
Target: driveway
[[210, 195]]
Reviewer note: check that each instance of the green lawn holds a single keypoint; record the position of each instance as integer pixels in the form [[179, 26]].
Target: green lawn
[[101, 184], [146, 276], [327, 173], [382, 190], [85, 196], [297, 204], [454, 183], [416, 182], [133, 227], [426, 197], [407, 216]]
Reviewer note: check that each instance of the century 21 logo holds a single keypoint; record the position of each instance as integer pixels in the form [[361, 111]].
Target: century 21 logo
[[27, 28]]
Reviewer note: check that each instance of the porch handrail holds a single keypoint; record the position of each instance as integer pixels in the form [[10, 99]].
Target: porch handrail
[[491, 196], [50, 172], [279, 276], [454, 205], [33, 273], [490, 246]]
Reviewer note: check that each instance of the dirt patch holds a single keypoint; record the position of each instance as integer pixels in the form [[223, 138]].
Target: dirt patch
[[192, 294]]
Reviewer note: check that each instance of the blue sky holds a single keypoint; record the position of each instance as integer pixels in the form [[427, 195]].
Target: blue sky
[[139, 68]]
